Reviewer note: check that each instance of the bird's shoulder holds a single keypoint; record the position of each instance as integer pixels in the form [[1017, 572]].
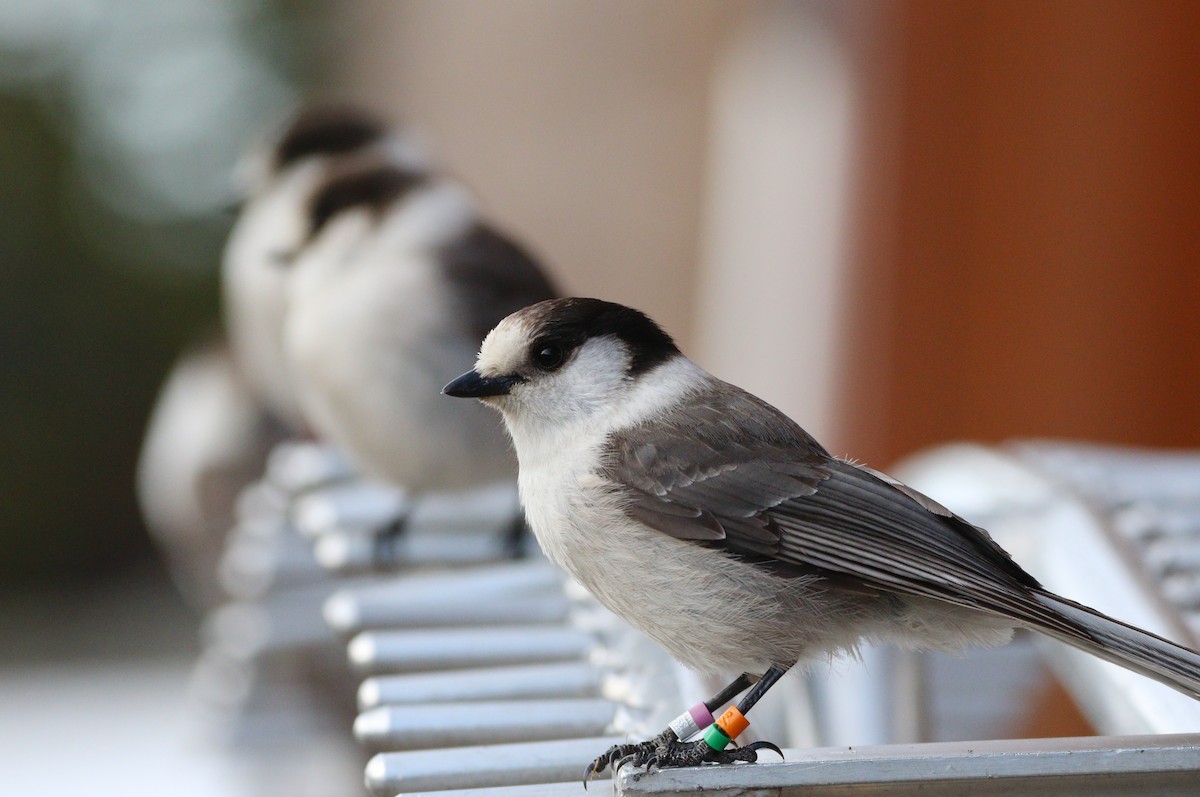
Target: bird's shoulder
[[718, 451]]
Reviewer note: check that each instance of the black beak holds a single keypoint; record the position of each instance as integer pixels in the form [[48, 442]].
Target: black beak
[[472, 385]]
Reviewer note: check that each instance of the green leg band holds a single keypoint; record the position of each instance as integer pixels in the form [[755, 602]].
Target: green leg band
[[716, 738]]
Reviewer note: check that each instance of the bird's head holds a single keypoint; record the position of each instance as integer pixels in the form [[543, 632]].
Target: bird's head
[[564, 360]]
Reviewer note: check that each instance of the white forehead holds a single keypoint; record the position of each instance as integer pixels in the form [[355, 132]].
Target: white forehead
[[505, 347]]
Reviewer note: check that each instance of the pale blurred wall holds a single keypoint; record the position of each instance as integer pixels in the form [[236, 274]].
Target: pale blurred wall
[[1026, 253], [773, 261], [582, 125]]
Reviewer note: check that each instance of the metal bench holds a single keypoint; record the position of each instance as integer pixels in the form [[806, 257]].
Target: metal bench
[[477, 673]]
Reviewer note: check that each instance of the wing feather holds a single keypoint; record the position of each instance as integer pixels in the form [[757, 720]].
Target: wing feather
[[731, 471]]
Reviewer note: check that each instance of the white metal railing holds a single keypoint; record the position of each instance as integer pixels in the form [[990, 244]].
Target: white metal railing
[[475, 671]]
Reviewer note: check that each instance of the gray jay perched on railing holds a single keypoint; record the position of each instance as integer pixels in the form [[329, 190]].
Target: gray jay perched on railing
[[716, 525]]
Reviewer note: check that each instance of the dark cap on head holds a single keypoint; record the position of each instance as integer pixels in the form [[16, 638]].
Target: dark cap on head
[[372, 186], [327, 130], [570, 322]]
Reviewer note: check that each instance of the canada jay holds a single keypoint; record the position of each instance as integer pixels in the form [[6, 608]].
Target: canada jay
[[397, 281], [223, 407], [275, 182], [717, 526]]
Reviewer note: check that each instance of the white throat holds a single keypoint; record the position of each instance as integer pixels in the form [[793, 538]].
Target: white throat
[[539, 441]]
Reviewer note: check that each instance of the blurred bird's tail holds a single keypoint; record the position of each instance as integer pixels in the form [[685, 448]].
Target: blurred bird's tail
[[1132, 648]]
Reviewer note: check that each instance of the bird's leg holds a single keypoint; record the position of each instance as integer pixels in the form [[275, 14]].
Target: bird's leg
[[386, 554], [686, 725], [516, 537], [710, 749], [671, 748]]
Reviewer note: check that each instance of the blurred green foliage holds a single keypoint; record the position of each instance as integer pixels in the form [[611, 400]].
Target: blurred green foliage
[[96, 305], [84, 343]]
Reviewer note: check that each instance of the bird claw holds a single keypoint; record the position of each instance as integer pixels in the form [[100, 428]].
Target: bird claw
[[756, 746], [616, 757], [663, 753], [386, 551]]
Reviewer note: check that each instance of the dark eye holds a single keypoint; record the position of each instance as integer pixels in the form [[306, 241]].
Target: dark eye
[[548, 356]]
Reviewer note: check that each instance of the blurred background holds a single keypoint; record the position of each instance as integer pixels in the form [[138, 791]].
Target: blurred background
[[902, 222]]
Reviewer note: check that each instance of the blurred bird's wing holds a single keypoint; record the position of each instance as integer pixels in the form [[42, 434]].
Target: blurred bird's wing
[[491, 277]]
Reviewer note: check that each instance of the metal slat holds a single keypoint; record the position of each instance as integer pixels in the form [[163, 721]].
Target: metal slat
[[507, 594], [524, 682], [429, 725], [566, 789], [381, 652], [389, 774]]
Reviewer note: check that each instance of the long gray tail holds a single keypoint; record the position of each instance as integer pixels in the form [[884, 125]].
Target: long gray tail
[[1132, 648]]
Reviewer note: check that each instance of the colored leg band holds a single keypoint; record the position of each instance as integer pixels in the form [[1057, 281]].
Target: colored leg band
[[733, 722], [716, 738], [691, 722]]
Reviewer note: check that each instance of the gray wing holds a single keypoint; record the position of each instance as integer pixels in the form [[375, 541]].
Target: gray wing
[[733, 472], [712, 475], [492, 277]]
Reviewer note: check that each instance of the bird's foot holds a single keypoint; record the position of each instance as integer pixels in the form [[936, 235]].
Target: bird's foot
[[386, 553], [516, 538], [667, 752]]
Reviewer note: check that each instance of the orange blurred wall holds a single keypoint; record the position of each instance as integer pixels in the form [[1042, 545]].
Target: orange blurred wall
[[1027, 234]]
